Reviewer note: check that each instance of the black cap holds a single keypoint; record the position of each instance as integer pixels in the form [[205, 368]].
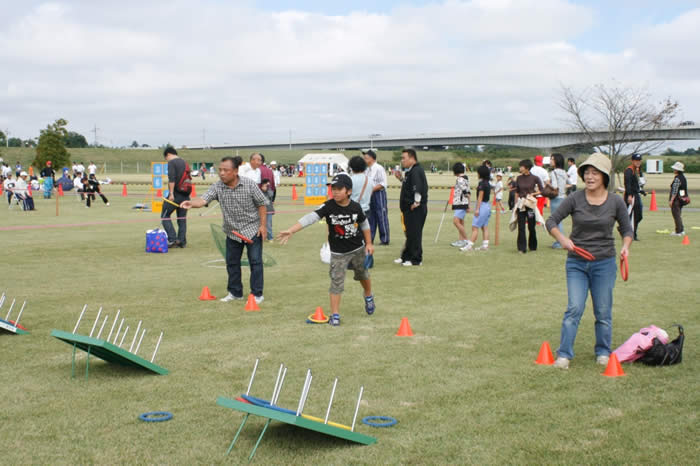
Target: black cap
[[341, 180], [636, 156]]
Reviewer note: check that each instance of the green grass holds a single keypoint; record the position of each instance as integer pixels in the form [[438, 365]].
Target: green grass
[[464, 389]]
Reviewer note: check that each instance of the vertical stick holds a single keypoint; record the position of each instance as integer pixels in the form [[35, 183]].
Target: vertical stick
[[19, 315], [157, 345], [56, 203], [140, 340], [2, 299], [96, 319], [308, 389], [102, 327], [138, 327], [279, 374], [118, 330], [357, 408], [126, 330], [109, 337], [279, 389], [75, 329], [498, 226], [10, 311], [252, 376], [303, 390], [330, 402]]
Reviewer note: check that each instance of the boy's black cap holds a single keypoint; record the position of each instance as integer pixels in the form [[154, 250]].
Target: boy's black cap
[[636, 157], [341, 180]]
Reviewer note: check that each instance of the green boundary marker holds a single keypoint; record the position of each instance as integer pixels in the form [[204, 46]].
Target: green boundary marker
[[298, 421], [105, 351], [5, 325]]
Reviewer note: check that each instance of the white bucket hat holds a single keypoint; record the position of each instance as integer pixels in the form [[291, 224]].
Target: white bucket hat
[[678, 166]]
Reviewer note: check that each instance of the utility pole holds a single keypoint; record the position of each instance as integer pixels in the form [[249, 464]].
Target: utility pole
[[7, 137], [204, 138], [290, 139], [94, 131]]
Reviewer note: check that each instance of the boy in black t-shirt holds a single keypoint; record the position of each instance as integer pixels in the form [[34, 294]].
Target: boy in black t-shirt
[[349, 239]]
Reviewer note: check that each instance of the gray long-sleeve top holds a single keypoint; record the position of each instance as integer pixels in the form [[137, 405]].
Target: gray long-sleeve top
[[592, 227]]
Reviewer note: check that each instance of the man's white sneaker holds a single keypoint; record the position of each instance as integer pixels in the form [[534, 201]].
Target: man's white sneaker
[[678, 234], [229, 297], [466, 248], [398, 261], [459, 243], [561, 363], [602, 360], [259, 299]]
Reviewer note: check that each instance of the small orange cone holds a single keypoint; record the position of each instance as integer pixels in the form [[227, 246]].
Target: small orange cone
[[194, 191], [614, 368], [60, 189], [159, 193], [124, 190], [206, 295], [318, 315], [652, 204], [251, 305], [294, 192], [545, 357], [686, 240], [452, 196], [404, 329]]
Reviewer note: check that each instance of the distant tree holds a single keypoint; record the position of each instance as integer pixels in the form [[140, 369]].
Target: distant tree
[[622, 113], [52, 147], [14, 142], [72, 139], [145, 145], [134, 144], [3, 139]]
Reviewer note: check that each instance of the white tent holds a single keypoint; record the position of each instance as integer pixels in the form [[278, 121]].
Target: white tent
[[334, 160]]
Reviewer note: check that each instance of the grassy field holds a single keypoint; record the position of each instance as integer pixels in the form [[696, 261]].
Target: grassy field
[[464, 389]]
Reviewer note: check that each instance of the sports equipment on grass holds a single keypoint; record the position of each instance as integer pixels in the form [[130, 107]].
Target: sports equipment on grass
[[614, 369], [251, 305], [156, 416], [206, 295], [108, 350], [12, 326], [404, 329], [270, 410], [388, 421], [545, 357], [317, 317]]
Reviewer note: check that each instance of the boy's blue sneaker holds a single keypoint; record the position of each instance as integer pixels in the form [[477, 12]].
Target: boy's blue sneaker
[[334, 320], [369, 304]]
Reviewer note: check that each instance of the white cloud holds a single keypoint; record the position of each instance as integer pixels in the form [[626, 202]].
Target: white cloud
[[161, 71]]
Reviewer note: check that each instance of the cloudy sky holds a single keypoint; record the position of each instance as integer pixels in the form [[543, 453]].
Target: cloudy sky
[[181, 71]]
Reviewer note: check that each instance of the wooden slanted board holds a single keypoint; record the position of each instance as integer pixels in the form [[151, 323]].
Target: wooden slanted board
[[107, 351], [5, 325], [296, 421]]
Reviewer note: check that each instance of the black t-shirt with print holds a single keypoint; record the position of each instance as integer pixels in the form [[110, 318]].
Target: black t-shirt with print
[[344, 234], [485, 188]]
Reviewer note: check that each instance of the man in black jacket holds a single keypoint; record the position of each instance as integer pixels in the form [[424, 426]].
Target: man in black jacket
[[176, 169], [632, 191], [413, 202]]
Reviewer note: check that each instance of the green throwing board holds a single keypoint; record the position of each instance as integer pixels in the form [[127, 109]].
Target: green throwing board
[[8, 327], [105, 351], [298, 421]]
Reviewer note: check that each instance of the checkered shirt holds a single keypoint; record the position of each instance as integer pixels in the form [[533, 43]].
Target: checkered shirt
[[239, 206]]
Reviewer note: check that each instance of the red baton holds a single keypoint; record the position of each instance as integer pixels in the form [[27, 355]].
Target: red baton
[[624, 268], [247, 240]]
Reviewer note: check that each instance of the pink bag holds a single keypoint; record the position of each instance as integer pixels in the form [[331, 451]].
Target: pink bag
[[636, 345]]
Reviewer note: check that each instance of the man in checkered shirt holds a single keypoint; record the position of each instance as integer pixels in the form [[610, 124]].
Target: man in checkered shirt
[[243, 207]]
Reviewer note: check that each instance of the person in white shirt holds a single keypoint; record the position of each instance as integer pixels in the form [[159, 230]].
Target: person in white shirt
[[276, 172], [378, 205], [81, 168], [6, 170], [540, 172], [252, 169], [8, 185], [74, 168], [498, 191], [21, 192], [572, 175], [92, 168]]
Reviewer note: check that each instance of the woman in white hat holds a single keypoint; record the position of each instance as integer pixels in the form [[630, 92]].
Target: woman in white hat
[[678, 196], [594, 212]]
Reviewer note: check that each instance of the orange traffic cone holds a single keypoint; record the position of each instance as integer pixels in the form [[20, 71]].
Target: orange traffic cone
[[452, 196], [686, 240], [0, 189], [614, 368], [318, 315], [194, 191], [60, 189], [294, 192], [206, 295], [159, 193], [330, 193], [251, 305], [652, 204], [124, 190], [404, 329], [545, 357]]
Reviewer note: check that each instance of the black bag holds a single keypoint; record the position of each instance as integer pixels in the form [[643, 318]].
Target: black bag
[[665, 355]]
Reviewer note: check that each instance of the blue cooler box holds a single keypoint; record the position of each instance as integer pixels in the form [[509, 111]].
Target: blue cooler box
[[156, 241]]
